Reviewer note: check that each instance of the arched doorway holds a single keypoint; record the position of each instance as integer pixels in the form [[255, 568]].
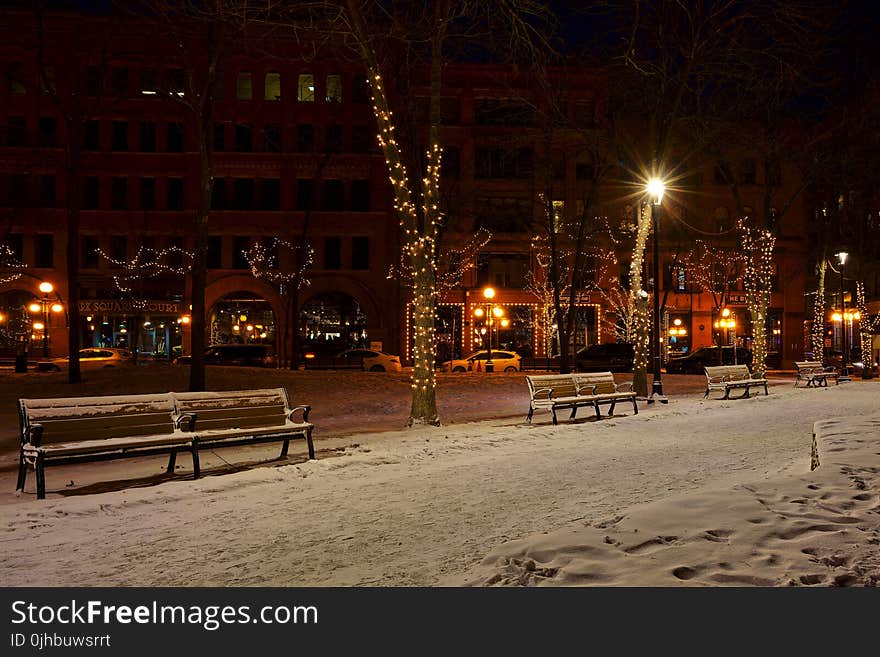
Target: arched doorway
[[242, 317], [332, 322]]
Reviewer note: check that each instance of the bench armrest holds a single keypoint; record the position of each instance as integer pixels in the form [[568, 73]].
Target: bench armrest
[[32, 435], [539, 391], [719, 378], [584, 390], [625, 386], [186, 421], [305, 413]]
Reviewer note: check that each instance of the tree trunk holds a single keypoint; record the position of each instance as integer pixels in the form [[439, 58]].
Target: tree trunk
[[74, 188], [641, 317], [200, 256]]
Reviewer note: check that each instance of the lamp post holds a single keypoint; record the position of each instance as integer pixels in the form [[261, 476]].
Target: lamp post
[[44, 306], [488, 295], [844, 370], [655, 189]]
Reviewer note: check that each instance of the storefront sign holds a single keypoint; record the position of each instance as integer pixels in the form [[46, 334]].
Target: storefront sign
[[126, 306], [736, 300]]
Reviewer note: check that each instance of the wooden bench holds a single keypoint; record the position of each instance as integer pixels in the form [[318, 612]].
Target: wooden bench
[[573, 391], [729, 377], [814, 374], [85, 429]]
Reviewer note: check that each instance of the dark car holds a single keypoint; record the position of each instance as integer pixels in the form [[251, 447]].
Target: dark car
[[695, 361], [250, 355], [609, 357]]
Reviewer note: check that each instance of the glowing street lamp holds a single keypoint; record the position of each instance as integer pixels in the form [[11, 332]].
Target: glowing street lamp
[[45, 306], [844, 370], [655, 189], [488, 295]]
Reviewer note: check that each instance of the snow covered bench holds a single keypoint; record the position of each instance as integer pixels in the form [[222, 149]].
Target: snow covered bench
[[573, 391], [728, 377], [241, 417], [84, 429], [814, 374]]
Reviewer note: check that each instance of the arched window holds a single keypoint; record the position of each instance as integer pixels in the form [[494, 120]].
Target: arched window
[[305, 88], [272, 86]]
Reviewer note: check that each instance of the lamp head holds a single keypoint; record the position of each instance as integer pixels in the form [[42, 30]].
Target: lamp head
[[841, 257], [489, 293], [655, 188], [46, 287]]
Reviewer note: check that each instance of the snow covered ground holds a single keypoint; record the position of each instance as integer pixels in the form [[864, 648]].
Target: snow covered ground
[[694, 492]]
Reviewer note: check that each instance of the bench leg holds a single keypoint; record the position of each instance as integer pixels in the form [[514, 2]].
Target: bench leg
[[766, 392], [194, 448], [726, 393], [40, 467], [574, 411], [611, 410], [706, 396], [284, 446], [553, 410], [22, 472], [529, 416], [311, 445], [172, 459], [598, 410], [635, 406]]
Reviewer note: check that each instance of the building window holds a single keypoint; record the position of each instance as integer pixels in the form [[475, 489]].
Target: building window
[[332, 253], [16, 131], [502, 270], [503, 163], [360, 195], [44, 251], [362, 139], [272, 86], [149, 82], [175, 193], [91, 189], [243, 194], [175, 81], [360, 90], [219, 137], [270, 194], [15, 78], [119, 249], [504, 215], [304, 194], [119, 138], [747, 171], [89, 253], [241, 246], [243, 87], [334, 89], [218, 194], [15, 243], [92, 136], [333, 195], [175, 137], [450, 165], [333, 138], [272, 138], [92, 81], [48, 127], [148, 193], [360, 253], [244, 138], [503, 111], [119, 195], [773, 173], [119, 81], [215, 252], [305, 88], [148, 136], [47, 191], [305, 138]]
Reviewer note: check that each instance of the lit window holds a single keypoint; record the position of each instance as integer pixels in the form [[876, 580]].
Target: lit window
[[334, 89], [272, 87], [306, 88], [558, 215], [243, 87]]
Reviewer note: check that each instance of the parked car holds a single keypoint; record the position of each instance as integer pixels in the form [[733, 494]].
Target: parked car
[[92, 358], [250, 355], [374, 361], [855, 367], [610, 357], [502, 361], [695, 361]]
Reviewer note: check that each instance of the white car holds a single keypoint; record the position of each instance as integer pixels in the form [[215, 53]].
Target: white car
[[502, 361], [92, 358], [374, 361]]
